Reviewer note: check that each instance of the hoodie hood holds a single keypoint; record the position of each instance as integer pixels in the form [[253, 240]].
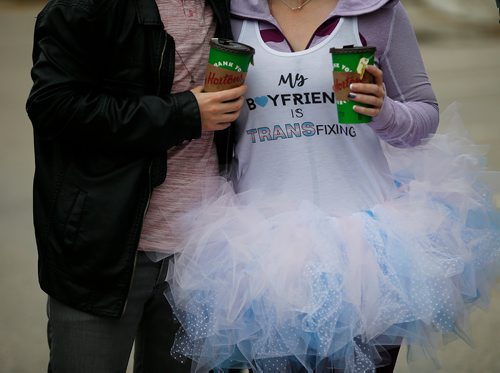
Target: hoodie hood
[[259, 9]]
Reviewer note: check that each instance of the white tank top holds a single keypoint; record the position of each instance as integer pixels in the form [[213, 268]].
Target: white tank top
[[288, 136]]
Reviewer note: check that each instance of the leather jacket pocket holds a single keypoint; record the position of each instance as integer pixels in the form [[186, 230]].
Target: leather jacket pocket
[[71, 206]]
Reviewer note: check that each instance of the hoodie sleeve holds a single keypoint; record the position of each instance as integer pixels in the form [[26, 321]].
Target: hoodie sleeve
[[410, 111]]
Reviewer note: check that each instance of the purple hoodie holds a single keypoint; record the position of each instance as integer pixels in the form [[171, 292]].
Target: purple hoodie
[[410, 112]]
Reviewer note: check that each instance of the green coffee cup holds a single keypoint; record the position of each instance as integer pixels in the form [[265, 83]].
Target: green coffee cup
[[349, 65], [228, 63]]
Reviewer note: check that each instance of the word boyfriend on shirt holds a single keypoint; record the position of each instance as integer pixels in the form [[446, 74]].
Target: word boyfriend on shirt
[[291, 99]]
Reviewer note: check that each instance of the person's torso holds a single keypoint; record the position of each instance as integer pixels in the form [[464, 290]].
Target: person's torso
[[288, 136], [76, 188], [191, 24]]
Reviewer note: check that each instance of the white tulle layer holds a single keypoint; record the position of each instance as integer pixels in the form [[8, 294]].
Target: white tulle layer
[[277, 283]]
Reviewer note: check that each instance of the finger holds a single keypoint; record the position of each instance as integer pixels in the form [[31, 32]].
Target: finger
[[367, 88], [223, 125], [197, 89], [228, 117], [227, 106], [371, 100], [232, 93], [371, 112], [232, 106], [377, 74]]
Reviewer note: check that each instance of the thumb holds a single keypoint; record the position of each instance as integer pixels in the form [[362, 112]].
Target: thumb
[[197, 89]]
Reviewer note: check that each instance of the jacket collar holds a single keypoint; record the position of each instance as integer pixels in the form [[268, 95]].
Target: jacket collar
[[148, 13]]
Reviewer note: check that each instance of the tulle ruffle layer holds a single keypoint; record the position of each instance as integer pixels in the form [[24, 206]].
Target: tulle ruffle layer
[[277, 283]]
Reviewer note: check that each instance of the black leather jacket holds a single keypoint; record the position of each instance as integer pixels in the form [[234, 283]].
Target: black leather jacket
[[103, 118]]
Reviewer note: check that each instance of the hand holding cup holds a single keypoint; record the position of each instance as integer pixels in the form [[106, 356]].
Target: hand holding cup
[[220, 99], [219, 109], [353, 75], [370, 94]]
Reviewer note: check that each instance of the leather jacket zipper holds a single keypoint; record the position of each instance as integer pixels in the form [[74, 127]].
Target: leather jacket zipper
[[162, 57]]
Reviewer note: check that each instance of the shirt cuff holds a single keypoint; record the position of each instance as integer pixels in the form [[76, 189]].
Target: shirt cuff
[[383, 122]]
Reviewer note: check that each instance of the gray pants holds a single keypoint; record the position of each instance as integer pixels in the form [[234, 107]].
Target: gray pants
[[84, 343]]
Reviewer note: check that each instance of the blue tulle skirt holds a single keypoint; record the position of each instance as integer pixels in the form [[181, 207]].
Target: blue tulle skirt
[[277, 284]]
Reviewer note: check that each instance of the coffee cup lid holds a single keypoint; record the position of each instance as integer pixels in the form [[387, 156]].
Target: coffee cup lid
[[231, 46], [348, 49]]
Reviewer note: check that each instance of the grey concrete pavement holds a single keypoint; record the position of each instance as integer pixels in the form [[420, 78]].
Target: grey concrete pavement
[[463, 64], [22, 347]]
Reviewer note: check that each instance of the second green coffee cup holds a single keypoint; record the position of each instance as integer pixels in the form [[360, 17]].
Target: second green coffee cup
[[349, 65]]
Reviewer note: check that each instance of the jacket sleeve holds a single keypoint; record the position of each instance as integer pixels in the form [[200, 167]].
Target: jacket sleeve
[[410, 111], [68, 100]]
